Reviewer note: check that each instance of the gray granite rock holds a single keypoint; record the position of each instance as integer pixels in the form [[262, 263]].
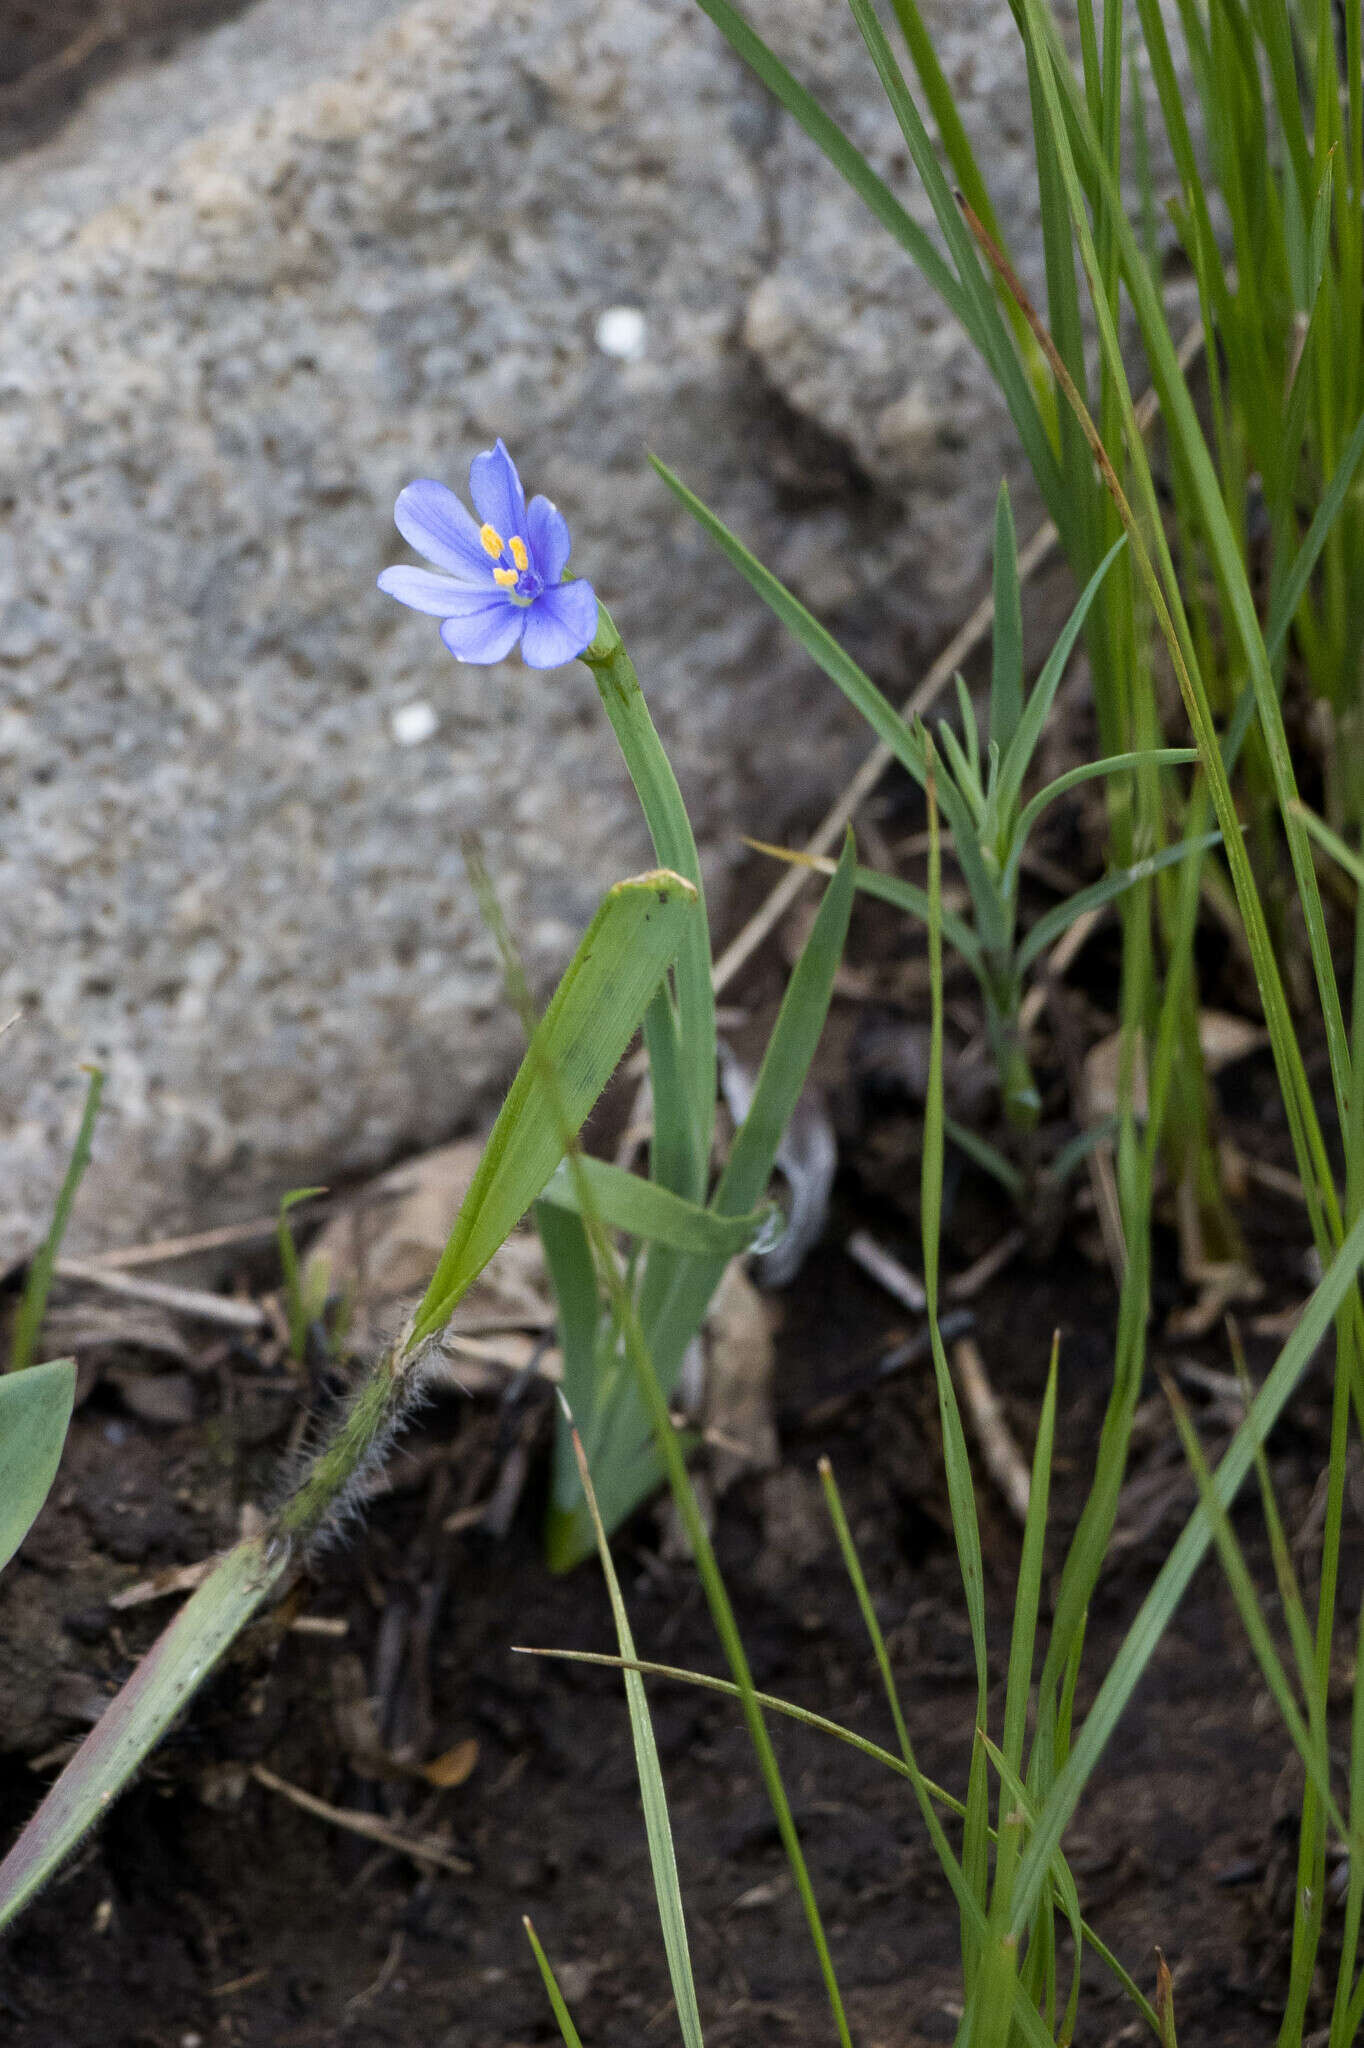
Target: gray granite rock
[[244, 298]]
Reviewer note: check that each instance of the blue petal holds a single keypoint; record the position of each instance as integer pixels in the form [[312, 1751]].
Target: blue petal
[[559, 625], [547, 538], [484, 630], [425, 590], [496, 491], [432, 520]]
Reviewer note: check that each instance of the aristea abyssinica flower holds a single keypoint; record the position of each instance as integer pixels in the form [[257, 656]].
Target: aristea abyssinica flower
[[497, 583]]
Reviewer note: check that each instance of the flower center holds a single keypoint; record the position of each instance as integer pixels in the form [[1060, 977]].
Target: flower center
[[517, 577]]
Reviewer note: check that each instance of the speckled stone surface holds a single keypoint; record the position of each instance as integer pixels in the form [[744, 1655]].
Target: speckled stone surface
[[247, 295]]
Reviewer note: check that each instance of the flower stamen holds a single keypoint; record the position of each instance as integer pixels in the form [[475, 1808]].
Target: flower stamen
[[492, 540], [508, 578], [518, 551]]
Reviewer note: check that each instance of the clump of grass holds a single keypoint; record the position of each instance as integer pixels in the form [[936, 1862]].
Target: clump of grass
[[1281, 102]]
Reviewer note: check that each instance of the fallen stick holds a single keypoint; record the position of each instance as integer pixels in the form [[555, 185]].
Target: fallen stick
[[1003, 1460]]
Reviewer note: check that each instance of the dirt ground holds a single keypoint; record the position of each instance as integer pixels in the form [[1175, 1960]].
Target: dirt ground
[[212, 1909]]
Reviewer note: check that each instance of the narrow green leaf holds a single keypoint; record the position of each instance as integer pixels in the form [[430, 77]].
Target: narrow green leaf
[[1088, 771], [861, 692], [821, 1725], [1006, 663], [790, 1049], [843, 154], [1173, 1578], [970, 731], [1014, 765], [624, 1201], [1243, 1591], [139, 1714], [964, 772], [983, 319], [1060, 918], [580, 1041], [675, 848], [617, 1416], [909, 897], [35, 1412], [652, 1792], [296, 1303], [568, 2033], [29, 1320], [573, 1278]]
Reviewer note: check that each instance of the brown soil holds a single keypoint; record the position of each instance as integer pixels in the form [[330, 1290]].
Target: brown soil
[[208, 1907]]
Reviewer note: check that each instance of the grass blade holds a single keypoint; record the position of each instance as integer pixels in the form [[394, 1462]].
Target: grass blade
[[29, 1320], [675, 848], [563, 2019], [845, 157], [139, 1715], [667, 1887], [1179, 1567], [624, 1201], [582, 1037], [35, 1413]]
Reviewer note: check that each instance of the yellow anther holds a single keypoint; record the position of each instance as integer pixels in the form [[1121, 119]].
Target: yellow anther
[[518, 551], [506, 577], [492, 540]]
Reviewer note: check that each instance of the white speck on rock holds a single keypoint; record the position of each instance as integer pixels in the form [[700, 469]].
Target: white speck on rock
[[622, 331], [413, 723]]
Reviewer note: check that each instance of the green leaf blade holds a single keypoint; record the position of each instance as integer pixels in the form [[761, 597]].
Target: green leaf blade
[[575, 1049], [35, 1413]]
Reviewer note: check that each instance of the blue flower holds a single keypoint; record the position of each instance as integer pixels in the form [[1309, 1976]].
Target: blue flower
[[499, 582]]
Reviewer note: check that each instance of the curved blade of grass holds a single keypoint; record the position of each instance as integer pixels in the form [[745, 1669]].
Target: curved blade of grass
[[1062, 916], [1089, 771], [139, 1715], [983, 319], [37, 1286], [563, 2019], [677, 1315], [582, 1038], [1247, 1600], [889, 889], [624, 1201], [987, 1157], [1014, 763], [1006, 655], [1173, 1578], [1040, 30], [956, 1460], [820, 1724], [35, 1412], [297, 1308], [843, 154], [861, 692], [662, 1858], [906, 744]]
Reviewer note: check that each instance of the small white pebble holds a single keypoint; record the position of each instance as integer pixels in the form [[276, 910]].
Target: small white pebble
[[622, 332], [413, 723]]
